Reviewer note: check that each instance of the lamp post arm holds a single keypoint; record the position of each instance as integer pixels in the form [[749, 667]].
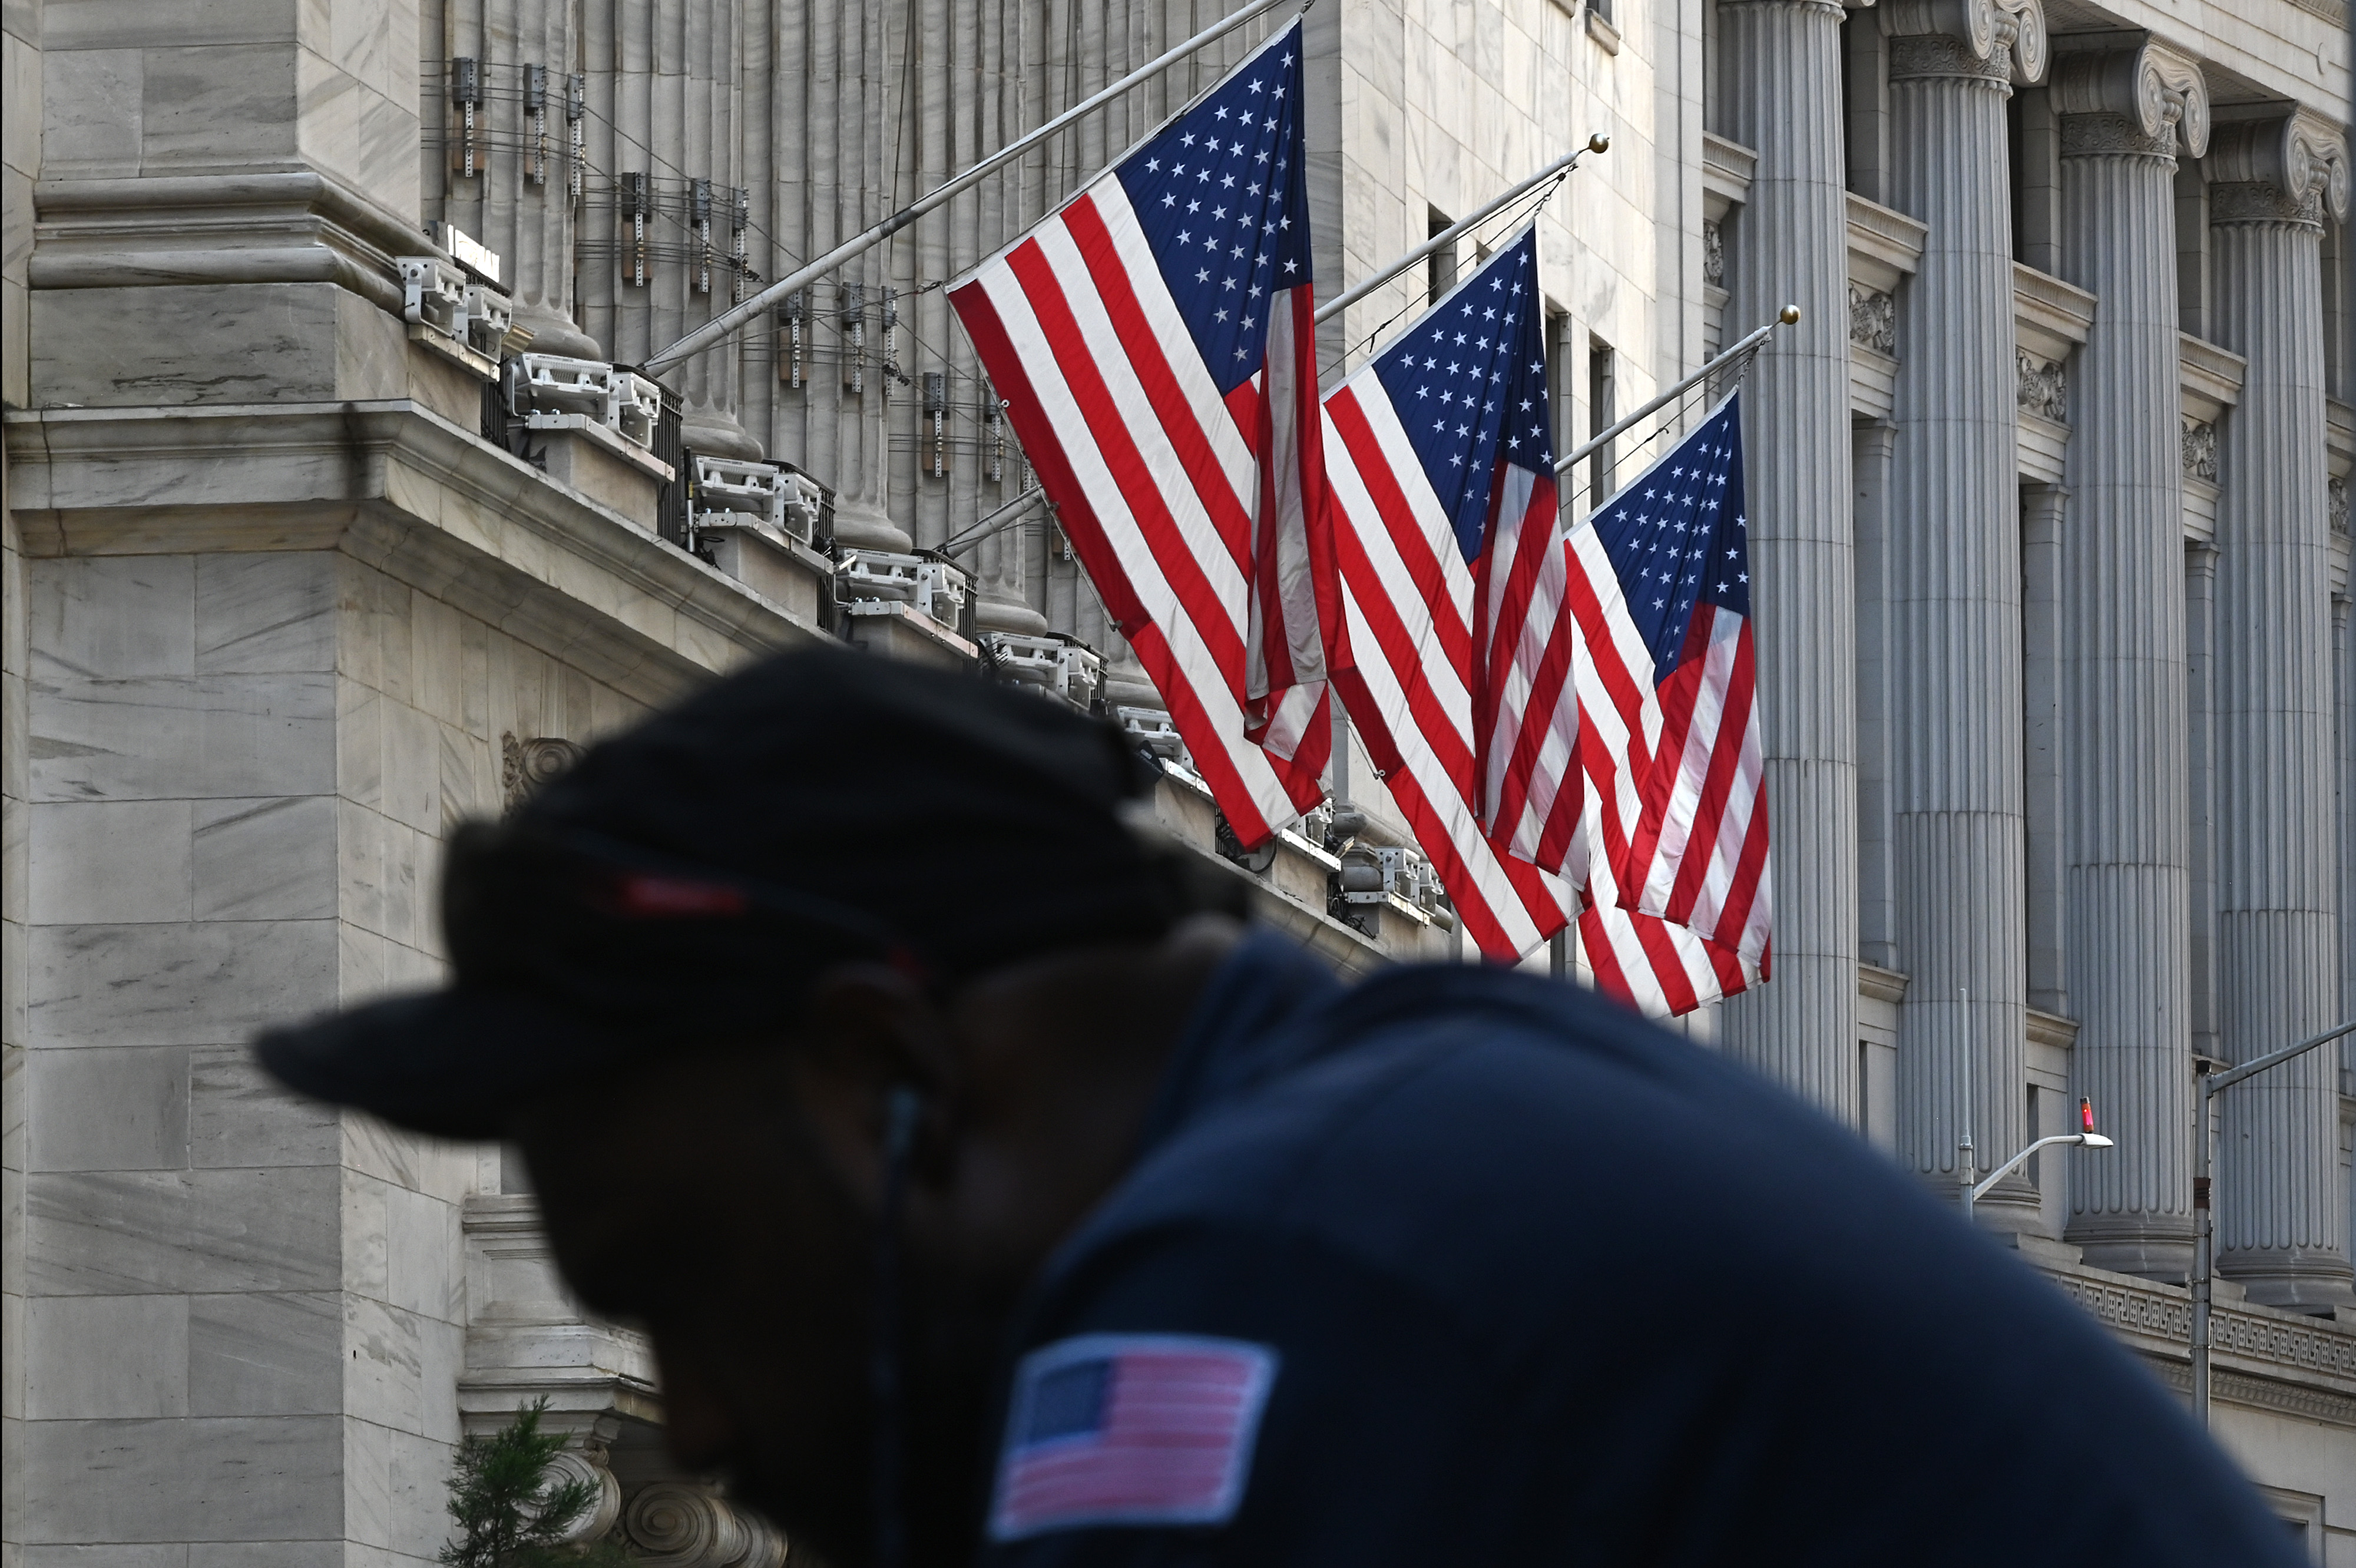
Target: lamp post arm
[[2205, 1087], [2233, 1076], [1982, 1188]]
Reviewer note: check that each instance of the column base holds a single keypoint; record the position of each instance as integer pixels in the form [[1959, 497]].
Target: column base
[[2157, 1248], [716, 435], [862, 527], [994, 609], [2012, 1205], [2293, 1279]]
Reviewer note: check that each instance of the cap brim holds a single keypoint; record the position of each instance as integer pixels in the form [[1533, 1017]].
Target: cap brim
[[456, 1063]]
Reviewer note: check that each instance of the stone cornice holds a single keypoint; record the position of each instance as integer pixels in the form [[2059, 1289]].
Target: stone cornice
[[403, 491], [2002, 39], [2287, 167], [2272, 1360], [2146, 96], [295, 226]]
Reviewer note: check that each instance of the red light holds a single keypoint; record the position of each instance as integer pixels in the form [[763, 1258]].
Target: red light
[[2085, 1115]]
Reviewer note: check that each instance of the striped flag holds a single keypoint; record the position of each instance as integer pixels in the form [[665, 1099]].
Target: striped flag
[[1676, 832], [1441, 467], [1129, 1429], [1154, 343]]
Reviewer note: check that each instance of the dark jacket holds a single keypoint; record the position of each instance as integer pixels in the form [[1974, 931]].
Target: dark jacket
[[1541, 1283]]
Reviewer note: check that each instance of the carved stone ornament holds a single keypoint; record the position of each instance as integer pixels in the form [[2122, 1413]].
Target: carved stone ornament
[[2200, 450], [1713, 255], [2156, 90], [2290, 168], [2335, 490], [2005, 37], [526, 765], [575, 1465], [2044, 387], [1872, 318], [686, 1524]]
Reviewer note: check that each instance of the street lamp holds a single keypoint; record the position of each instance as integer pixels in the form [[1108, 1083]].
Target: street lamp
[[2204, 1245], [2085, 1137]]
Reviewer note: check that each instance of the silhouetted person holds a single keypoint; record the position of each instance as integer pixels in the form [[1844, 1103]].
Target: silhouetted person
[[987, 1192]]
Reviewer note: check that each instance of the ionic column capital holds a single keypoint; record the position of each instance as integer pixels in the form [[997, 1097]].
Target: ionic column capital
[[2003, 41], [2148, 97], [2285, 168]]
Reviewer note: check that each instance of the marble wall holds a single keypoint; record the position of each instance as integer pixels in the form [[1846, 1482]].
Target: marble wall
[[248, 1312]]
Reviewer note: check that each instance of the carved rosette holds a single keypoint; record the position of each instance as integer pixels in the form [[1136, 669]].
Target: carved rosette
[[2000, 40], [1872, 318], [526, 765], [687, 1524], [2148, 99], [2043, 387], [2200, 450], [2287, 169]]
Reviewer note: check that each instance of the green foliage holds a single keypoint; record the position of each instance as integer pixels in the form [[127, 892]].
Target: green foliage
[[508, 1514]]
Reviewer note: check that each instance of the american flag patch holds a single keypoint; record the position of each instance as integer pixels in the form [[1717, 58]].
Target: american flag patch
[[1129, 1429]]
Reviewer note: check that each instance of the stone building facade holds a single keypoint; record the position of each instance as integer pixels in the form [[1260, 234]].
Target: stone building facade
[[331, 521]]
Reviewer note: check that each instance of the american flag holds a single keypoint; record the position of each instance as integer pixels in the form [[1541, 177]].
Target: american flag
[[1441, 460], [1154, 343], [1129, 1429], [1676, 826]]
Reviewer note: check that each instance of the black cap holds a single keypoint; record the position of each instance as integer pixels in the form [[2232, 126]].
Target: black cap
[[685, 880]]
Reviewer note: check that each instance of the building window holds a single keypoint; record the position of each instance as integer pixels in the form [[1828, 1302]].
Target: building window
[[2028, 1119], [1439, 267], [1602, 381], [1864, 1088]]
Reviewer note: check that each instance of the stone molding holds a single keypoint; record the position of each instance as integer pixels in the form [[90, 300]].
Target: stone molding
[[403, 490], [299, 227], [2335, 504], [2005, 40], [2287, 169], [2043, 386], [2148, 98], [1713, 254], [2268, 1344], [1828, 8]]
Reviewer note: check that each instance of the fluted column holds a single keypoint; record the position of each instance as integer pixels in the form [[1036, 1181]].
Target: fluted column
[[2125, 845], [1782, 94], [2281, 1206], [831, 115], [519, 201], [664, 98], [2343, 664], [1959, 829]]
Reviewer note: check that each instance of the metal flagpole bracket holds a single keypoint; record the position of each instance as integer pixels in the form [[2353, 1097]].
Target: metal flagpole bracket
[[728, 321], [1750, 345]]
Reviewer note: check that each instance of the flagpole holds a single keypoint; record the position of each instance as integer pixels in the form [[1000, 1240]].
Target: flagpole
[[720, 325], [1598, 143], [1788, 317]]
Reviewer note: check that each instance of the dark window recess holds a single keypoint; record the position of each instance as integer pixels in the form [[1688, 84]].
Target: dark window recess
[[1439, 267], [670, 501]]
